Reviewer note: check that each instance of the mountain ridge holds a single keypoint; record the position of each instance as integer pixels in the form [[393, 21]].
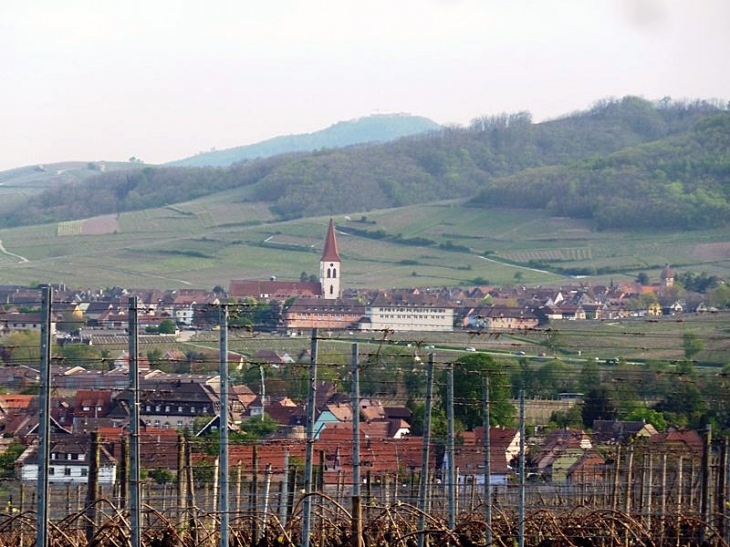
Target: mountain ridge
[[375, 128]]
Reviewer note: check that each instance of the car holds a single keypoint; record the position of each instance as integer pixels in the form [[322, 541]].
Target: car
[[430, 346], [471, 349], [520, 352]]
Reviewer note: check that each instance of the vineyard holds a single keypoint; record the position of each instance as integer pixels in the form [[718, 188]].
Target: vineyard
[[642, 497]]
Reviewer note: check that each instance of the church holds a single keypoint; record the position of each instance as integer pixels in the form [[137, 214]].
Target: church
[[320, 304], [316, 304], [328, 310], [328, 286]]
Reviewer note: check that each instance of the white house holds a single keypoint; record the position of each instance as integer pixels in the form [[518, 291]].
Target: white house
[[70, 457]]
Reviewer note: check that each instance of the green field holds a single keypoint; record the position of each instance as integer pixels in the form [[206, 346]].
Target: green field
[[210, 241]]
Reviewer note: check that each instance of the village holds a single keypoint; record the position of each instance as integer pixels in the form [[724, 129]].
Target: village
[[180, 401]]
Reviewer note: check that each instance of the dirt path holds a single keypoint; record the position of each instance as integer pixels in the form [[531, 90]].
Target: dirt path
[[5, 251]]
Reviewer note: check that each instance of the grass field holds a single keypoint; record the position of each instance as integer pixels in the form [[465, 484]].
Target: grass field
[[210, 241]]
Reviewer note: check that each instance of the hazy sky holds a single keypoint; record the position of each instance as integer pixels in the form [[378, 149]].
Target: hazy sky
[[164, 79]]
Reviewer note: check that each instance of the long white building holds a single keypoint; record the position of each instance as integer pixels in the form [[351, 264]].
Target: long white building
[[408, 312]]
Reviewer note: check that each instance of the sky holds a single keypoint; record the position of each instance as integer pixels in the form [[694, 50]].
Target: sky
[[160, 80]]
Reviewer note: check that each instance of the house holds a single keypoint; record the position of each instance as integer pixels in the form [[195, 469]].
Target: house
[[70, 458], [329, 314], [20, 322], [469, 457], [621, 431], [503, 318], [170, 404], [560, 450]]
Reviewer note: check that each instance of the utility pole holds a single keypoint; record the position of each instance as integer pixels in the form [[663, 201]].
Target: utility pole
[[44, 424], [223, 414], [423, 486], [309, 456], [451, 468], [521, 503], [134, 460], [356, 501], [487, 444]]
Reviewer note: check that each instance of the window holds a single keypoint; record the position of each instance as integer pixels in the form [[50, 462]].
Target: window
[[179, 408], [52, 471], [167, 408], [157, 423], [84, 471], [67, 471], [179, 424], [157, 408], [148, 408]]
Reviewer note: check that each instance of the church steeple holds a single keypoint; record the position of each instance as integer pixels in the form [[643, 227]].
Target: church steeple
[[329, 265]]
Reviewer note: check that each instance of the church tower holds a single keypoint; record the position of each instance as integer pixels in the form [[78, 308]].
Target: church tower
[[329, 266]]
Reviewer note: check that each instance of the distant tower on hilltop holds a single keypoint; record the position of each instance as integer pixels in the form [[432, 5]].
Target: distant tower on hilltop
[[329, 266]]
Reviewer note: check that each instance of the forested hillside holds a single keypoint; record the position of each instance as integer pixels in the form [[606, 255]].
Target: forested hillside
[[623, 163], [678, 182]]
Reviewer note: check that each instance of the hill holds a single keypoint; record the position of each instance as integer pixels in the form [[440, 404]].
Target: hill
[[211, 240], [680, 182], [370, 129], [569, 166]]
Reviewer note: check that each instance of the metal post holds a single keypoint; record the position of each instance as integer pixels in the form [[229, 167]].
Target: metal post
[[92, 490], [487, 443], [44, 424], [223, 413], [355, 421], [521, 503], [725, 464], [706, 502], [134, 460], [356, 502], [309, 456], [451, 467], [284, 491], [423, 486]]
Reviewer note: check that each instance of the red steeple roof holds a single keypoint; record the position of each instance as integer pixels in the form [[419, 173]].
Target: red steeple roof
[[330, 253]]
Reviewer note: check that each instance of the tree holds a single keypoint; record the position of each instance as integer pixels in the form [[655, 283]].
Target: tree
[[24, 348], [590, 376], [167, 326], [691, 344], [597, 405], [643, 279], [71, 321], [81, 355], [469, 373]]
